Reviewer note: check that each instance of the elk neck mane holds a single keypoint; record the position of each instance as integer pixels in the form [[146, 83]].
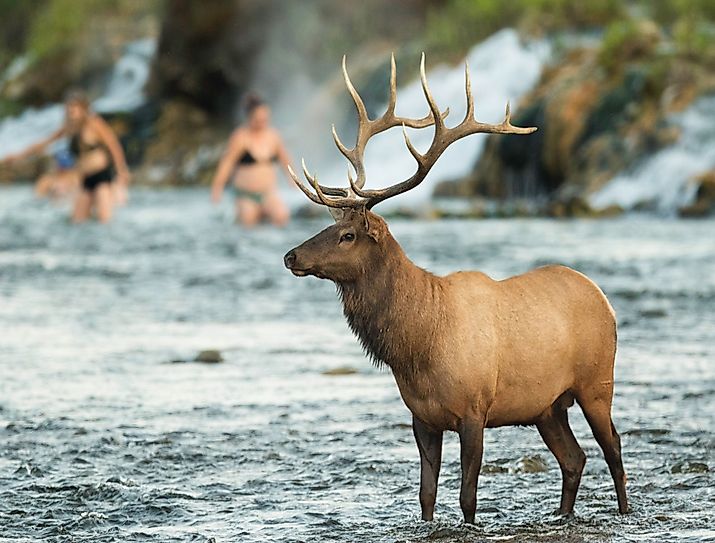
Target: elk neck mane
[[395, 309]]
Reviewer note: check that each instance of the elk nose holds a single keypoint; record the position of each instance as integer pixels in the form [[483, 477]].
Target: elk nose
[[289, 259]]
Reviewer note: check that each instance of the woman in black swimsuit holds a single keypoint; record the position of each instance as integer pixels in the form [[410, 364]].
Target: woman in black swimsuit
[[96, 152], [250, 158]]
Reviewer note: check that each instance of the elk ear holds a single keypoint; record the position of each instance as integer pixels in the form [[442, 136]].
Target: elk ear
[[337, 213], [374, 228]]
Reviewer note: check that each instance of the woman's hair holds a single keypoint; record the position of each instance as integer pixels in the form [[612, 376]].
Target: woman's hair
[[252, 101], [77, 96]]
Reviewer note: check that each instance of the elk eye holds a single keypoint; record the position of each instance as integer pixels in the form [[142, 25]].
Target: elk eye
[[347, 236]]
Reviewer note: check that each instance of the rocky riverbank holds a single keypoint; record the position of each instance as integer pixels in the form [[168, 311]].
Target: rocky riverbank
[[600, 109]]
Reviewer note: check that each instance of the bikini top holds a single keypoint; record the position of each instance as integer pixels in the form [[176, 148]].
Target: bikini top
[[78, 146], [248, 158]]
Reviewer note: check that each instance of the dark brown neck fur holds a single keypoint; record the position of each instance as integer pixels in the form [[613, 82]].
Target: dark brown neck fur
[[394, 309]]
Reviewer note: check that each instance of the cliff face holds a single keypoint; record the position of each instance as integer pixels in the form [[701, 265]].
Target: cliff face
[[599, 110], [207, 51]]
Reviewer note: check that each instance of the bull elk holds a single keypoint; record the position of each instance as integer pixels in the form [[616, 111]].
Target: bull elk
[[467, 352]]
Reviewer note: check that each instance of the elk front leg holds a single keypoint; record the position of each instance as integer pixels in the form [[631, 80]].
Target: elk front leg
[[429, 444], [471, 437]]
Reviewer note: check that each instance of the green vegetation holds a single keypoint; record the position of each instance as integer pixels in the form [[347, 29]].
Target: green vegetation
[[455, 26], [50, 28], [58, 23], [626, 40], [459, 24]]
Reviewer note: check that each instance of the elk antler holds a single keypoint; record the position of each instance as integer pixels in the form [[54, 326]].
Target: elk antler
[[356, 196]]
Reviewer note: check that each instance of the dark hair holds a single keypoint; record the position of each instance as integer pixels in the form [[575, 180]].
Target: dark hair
[[77, 96], [252, 101]]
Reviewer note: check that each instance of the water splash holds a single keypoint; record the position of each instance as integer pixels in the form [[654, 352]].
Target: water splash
[[125, 92], [503, 68], [663, 180]]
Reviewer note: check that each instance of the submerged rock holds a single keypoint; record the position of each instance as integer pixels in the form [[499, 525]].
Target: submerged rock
[[653, 313], [493, 468], [532, 464], [340, 370], [690, 467], [209, 357]]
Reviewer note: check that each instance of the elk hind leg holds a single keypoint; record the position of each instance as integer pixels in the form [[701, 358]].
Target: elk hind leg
[[598, 414], [556, 432]]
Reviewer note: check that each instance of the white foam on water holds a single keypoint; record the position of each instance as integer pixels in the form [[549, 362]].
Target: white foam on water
[[663, 181], [502, 68], [125, 92]]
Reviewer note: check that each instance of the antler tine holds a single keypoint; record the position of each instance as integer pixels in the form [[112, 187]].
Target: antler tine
[[331, 191], [334, 202], [334, 191], [393, 87], [505, 127], [314, 182], [436, 115], [419, 157], [302, 187], [359, 104], [468, 91], [341, 147], [320, 194], [353, 184]]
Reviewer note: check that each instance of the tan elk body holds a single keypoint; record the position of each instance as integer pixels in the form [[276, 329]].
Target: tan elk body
[[467, 352]]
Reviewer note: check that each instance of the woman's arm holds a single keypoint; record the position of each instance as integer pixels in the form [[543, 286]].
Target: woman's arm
[[226, 165], [284, 159], [110, 140], [35, 148]]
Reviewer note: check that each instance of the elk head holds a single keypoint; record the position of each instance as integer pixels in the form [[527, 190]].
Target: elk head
[[344, 251]]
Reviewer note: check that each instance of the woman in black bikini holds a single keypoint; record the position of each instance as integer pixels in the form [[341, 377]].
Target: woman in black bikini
[[96, 152], [252, 153]]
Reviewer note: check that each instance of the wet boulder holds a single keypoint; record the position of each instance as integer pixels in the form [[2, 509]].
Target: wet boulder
[[704, 203]]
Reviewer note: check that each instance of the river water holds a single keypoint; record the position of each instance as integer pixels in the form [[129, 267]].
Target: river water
[[106, 436]]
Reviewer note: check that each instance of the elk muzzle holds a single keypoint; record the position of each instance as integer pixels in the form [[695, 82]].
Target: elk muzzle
[[290, 260]]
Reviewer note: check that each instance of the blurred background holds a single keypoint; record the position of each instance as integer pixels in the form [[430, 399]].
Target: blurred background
[[621, 90], [164, 379]]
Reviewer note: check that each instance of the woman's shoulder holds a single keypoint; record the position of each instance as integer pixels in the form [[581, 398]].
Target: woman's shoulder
[[239, 133], [97, 122], [275, 135]]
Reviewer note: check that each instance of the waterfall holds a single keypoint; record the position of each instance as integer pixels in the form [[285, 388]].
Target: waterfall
[[502, 68], [662, 180], [33, 125], [124, 92]]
